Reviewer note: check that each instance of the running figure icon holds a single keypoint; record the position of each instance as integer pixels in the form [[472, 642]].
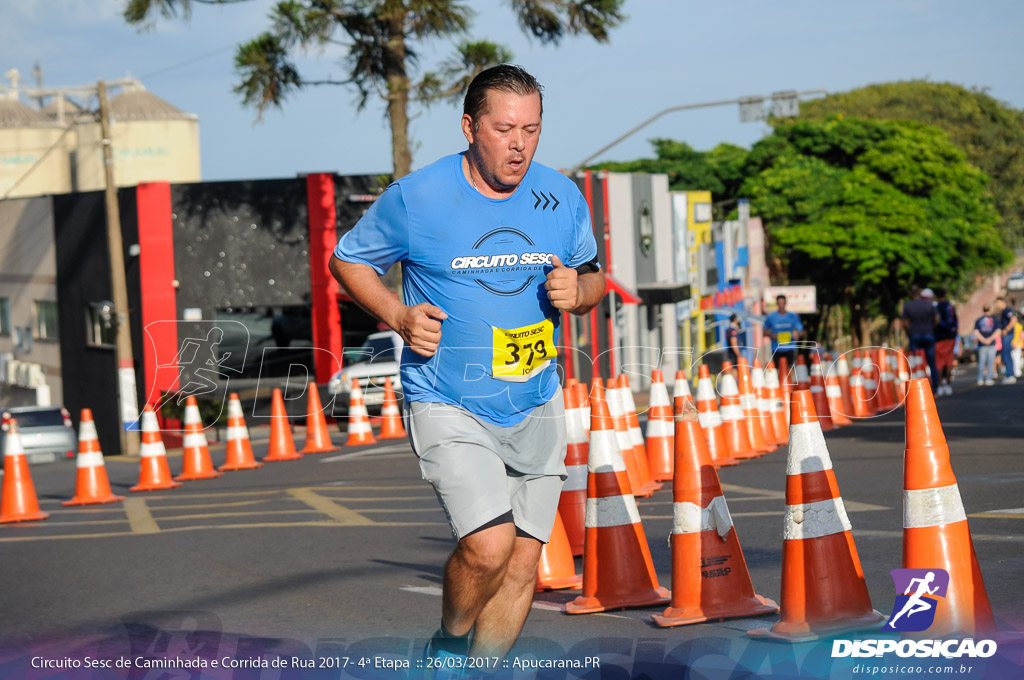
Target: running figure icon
[[916, 603]]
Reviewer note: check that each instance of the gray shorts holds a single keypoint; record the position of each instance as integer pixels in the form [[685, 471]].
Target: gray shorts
[[481, 471]]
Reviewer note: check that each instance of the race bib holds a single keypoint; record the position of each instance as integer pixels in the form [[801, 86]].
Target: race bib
[[521, 353], [785, 337]]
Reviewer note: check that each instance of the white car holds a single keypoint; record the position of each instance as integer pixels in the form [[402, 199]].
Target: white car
[[379, 358], [1016, 281]]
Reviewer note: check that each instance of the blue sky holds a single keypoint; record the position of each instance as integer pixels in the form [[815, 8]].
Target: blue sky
[[668, 53]]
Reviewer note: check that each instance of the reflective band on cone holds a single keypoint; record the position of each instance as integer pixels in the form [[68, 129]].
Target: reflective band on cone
[[636, 436], [734, 425], [823, 587], [751, 413]]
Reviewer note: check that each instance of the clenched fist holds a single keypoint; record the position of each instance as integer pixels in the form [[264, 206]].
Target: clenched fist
[[561, 285], [420, 327]]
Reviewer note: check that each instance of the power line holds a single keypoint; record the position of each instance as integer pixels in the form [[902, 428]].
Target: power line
[[186, 62]]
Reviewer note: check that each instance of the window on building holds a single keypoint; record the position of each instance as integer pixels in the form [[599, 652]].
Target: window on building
[[100, 327], [5, 316], [46, 320]]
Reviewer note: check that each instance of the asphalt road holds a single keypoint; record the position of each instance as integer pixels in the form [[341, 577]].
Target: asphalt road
[[337, 558]]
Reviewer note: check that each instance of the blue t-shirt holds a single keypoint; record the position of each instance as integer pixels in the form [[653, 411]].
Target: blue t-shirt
[[783, 326], [1004, 317], [986, 325], [484, 261]]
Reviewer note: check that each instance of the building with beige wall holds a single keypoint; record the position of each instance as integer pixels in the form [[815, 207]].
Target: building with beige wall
[[59, 149]]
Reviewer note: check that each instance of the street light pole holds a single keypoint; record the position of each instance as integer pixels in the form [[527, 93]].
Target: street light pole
[[685, 107], [128, 406]]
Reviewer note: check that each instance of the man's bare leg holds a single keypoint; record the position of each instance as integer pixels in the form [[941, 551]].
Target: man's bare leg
[[474, 574], [502, 617]]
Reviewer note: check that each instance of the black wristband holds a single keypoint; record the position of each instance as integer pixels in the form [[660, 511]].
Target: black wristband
[[589, 267]]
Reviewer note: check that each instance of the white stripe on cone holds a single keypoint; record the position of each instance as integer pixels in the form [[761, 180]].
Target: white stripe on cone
[[932, 507], [660, 428], [89, 460], [576, 479], [816, 520], [604, 452], [805, 442], [194, 440], [612, 511], [690, 518]]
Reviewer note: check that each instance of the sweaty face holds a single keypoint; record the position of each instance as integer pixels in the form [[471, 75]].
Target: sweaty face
[[503, 139]]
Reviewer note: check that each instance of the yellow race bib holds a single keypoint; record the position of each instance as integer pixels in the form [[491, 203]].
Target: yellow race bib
[[785, 337], [521, 353]]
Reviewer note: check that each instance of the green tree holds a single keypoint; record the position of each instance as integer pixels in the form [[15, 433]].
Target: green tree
[[382, 39], [989, 132], [720, 171], [864, 208]]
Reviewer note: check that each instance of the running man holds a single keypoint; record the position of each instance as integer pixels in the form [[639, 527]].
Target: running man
[[493, 249], [915, 603], [783, 328]]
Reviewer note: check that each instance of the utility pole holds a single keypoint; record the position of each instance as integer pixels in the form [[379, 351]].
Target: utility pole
[[127, 398]]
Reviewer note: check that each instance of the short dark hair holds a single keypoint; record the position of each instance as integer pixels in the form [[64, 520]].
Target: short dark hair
[[504, 77], [780, 297]]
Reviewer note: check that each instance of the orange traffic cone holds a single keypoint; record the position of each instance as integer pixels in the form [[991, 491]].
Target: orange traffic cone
[[780, 424], [636, 435], [390, 417], [239, 455], [92, 487], [843, 374], [818, 394], [660, 431], [154, 472], [282, 445], [710, 579], [583, 399], [681, 387], [318, 439], [823, 588], [871, 376], [764, 404], [359, 430], [572, 503], [734, 424], [751, 412], [935, 530], [196, 454], [617, 568], [902, 374], [834, 395], [787, 385], [556, 569], [803, 377], [858, 395], [18, 501], [886, 384], [613, 399], [711, 420]]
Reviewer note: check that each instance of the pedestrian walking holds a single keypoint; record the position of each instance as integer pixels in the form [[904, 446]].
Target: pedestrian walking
[[947, 328], [488, 269], [986, 332], [1007, 320], [732, 339], [919, 319], [784, 328]]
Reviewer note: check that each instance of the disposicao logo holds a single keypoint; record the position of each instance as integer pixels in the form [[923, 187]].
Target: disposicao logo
[[914, 610], [919, 594]]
